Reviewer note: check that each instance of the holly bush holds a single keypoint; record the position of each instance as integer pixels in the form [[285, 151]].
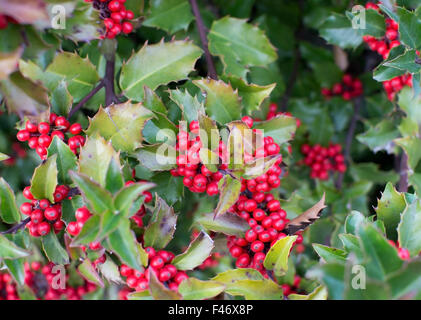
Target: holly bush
[[184, 149]]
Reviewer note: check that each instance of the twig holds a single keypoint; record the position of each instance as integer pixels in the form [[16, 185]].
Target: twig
[[85, 99], [203, 38], [358, 103], [17, 227], [110, 96], [403, 173]]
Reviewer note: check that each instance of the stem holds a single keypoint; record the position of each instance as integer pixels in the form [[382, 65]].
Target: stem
[[110, 96], [85, 99], [203, 38], [403, 173], [17, 227], [358, 102]]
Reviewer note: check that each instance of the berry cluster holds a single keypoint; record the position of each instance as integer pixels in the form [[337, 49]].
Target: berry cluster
[[39, 136], [40, 280], [402, 252], [138, 216], [45, 216], [349, 88], [195, 175], [5, 20], [115, 17], [160, 263], [82, 215], [383, 46], [267, 220], [321, 160]]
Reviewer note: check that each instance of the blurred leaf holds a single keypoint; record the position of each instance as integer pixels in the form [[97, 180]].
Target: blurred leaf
[[87, 270], [159, 291], [320, 293], [160, 157], [24, 11], [337, 30], [9, 61], [409, 234], [195, 289], [380, 136], [8, 210], [329, 254], [374, 23], [9, 250], [281, 128]]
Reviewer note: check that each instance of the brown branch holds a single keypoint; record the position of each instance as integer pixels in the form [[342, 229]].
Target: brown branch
[[357, 103], [203, 38], [110, 96], [85, 99], [403, 173], [17, 227]]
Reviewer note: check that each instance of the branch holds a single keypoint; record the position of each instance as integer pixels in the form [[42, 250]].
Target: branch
[[358, 103], [85, 99], [403, 173], [203, 38], [110, 96], [17, 227]]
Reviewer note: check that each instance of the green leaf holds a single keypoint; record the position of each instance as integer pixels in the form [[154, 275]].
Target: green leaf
[[259, 166], [8, 210], [228, 223], [160, 157], [99, 199], [9, 250], [114, 180], [233, 275], [157, 64], [320, 293], [380, 136], [412, 147], [252, 95], [16, 268], [87, 270], [329, 254], [382, 258], [89, 232], [126, 196], [44, 180], [158, 291], [195, 289], [240, 45], [209, 159], [406, 281], [332, 275], [337, 30], [110, 271], [121, 124], [389, 209], [382, 72], [222, 102], [61, 99], [54, 250], [409, 229], [169, 15], [66, 159], [321, 129], [281, 128], [3, 156], [230, 190], [95, 157], [374, 23], [277, 257], [209, 133], [23, 96], [409, 24], [353, 222], [169, 188], [161, 228], [405, 62], [123, 243], [197, 252], [188, 104], [410, 104]]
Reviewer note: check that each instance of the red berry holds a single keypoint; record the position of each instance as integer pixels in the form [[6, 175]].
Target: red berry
[[127, 27], [44, 128], [27, 193], [82, 214], [75, 128], [114, 6], [257, 246], [26, 208], [157, 262], [248, 121], [44, 204], [31, 127], [37, 216], [73, 228], [44, 228], [51, 214], [62, 122], [23, 135]]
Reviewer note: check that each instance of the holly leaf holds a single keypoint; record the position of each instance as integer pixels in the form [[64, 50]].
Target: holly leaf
[[409, 227], [222, 102], [9, 250], [110, 271], [277, 257], [9, 61], [114, 180], [195, 289], [161, 157], [380, 136], [329, 254], [189, 105], [240, 45], [169, 15], [374, 23], [230, 190], [252, 95], [197, 252], [228, 223], [8, 210], [61, 99], [123, 243], [44, 179], [158, 291], [128, 194], [122, 124], [320, 293], [259, 166], [53, 249], [337, 30], [162, 225], [281, 128], [23, 96], [412, 147], [66, 159], [157, 64], [389, 209], [95, 157], [87, 270], [409, 22]]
